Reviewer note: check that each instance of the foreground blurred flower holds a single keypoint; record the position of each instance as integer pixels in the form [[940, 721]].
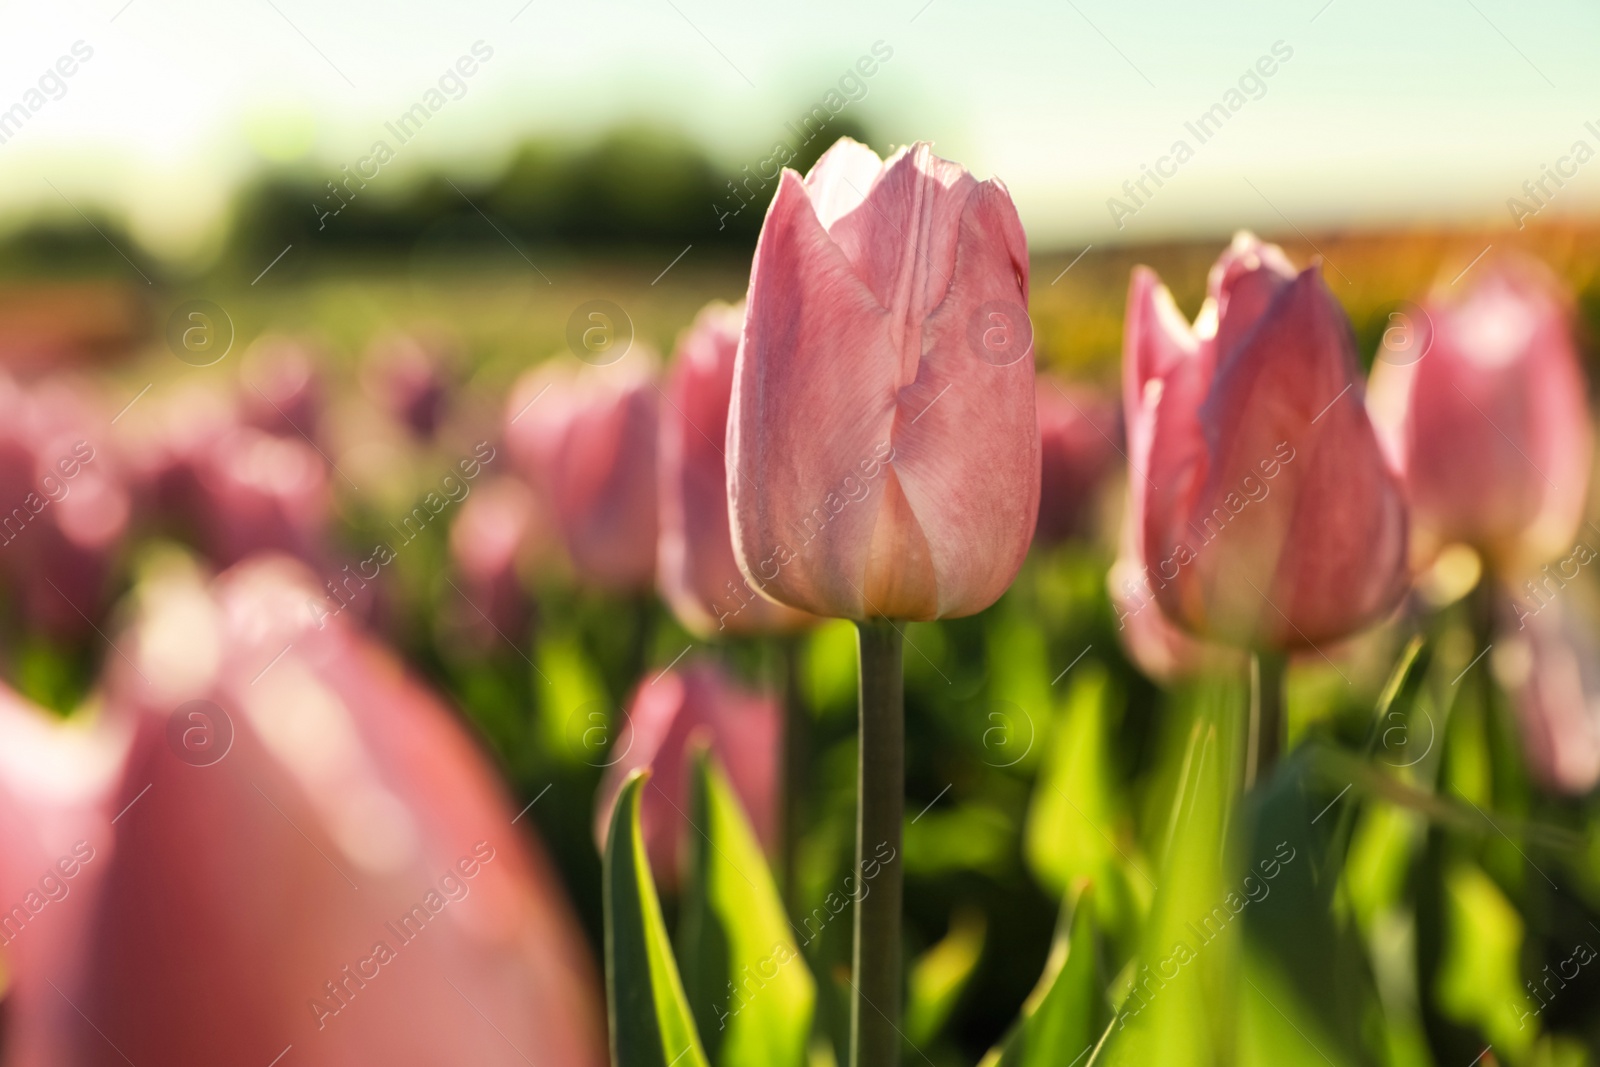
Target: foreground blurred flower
[[882, 448], [313, 853], [586, 440], [65, 506], [1268, 515], [405, 375], [1080, 436], [1549, 661], [1489, 418], [698, 574], [56, 782], [672, 712]]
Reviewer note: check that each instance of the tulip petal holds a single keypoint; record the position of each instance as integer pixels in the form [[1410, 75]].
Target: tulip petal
[[966, 442], [822, 388], [841, 179], [902, 242], [1322, 552]]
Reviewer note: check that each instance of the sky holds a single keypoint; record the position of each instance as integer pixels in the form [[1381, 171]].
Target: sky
[[1376, 112]]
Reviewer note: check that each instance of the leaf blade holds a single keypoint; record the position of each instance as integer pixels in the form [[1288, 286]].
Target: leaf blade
[[648, 1014]]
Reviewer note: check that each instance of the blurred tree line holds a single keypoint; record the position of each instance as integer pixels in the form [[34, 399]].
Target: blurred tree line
[[636, 185]]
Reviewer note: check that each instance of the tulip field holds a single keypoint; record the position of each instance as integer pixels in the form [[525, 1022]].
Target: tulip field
[[904, 645]]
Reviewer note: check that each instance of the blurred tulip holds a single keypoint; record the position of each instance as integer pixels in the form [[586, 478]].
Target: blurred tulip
[[312, 852], [586, 440], [1080, 441], [488, 538], [66, 506], [882, 447], [229, 487], [405, 375], [1488, 417], [56, 782], [281, 390], [167, 438], [260, 493], [1268, 515], [671, 713], [1549, 662], [698, 573]]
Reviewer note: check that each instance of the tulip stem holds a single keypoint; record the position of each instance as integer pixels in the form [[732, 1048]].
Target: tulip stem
[[880, 809], [1267, 675], [795, 741]]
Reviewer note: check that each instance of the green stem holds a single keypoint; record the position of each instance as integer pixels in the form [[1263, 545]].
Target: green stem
[[1267, 673], [880, 809], [795, 742]]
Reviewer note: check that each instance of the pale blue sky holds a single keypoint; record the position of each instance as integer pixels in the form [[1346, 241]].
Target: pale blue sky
[[1415, 110]]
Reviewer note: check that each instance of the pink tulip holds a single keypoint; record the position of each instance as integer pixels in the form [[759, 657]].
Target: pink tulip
[[56, 784], [230, 488], [168, 438], [1546, 659], [586, 440], [1267, 512], [494, 530], [406, 376], [259, 493], [66, 506], [281, 390], [695, 566], [882, 448], [670, 714], [319, 857], [1080, 444], [1490, 423]]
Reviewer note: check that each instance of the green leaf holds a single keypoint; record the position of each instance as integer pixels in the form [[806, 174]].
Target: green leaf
[[1291, 1012], [575, 718], [751, 992], [940, 975], [649, 1016], [1176, 1003], [1066, 1014], [1077, 827], [1479, 982]]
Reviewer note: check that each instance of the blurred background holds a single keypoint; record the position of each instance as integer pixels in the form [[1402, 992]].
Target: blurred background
[[284, 266]]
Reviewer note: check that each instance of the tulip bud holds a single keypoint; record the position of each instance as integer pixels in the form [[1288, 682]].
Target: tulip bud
[[586, 441], [696, 569], [1487, 417], [670, 714], [1268, 515], [312, 852], [883, 452], [1080, 444]]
